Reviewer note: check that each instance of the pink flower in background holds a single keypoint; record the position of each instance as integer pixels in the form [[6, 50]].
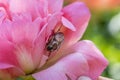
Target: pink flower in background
[[25, 30]]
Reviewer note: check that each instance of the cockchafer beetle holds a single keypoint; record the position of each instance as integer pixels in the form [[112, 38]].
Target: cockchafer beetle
[[54, 42]]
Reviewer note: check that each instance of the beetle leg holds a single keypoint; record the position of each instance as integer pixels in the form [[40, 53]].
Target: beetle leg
[[49, 54]]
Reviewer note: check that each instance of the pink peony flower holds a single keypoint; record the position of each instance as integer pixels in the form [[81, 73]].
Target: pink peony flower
[[27, 26]]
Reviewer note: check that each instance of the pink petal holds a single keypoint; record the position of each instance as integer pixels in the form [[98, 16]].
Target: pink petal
[[5, 66], [4, 1], [85, 60], [79, 15], [19, 36], [2, 14], [53, 20], [73, 66], [8, 60], [55, 5], [35, 7], [4, 7], [68, 24], [96, 61], [22, 26], [45, 33], [24, 31], [11, 69], [6, 53]]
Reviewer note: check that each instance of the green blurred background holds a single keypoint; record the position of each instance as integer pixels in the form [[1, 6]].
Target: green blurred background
[[107, 41], [104, 31]]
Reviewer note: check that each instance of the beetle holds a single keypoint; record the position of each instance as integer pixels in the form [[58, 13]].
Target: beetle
[[54, 42]]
